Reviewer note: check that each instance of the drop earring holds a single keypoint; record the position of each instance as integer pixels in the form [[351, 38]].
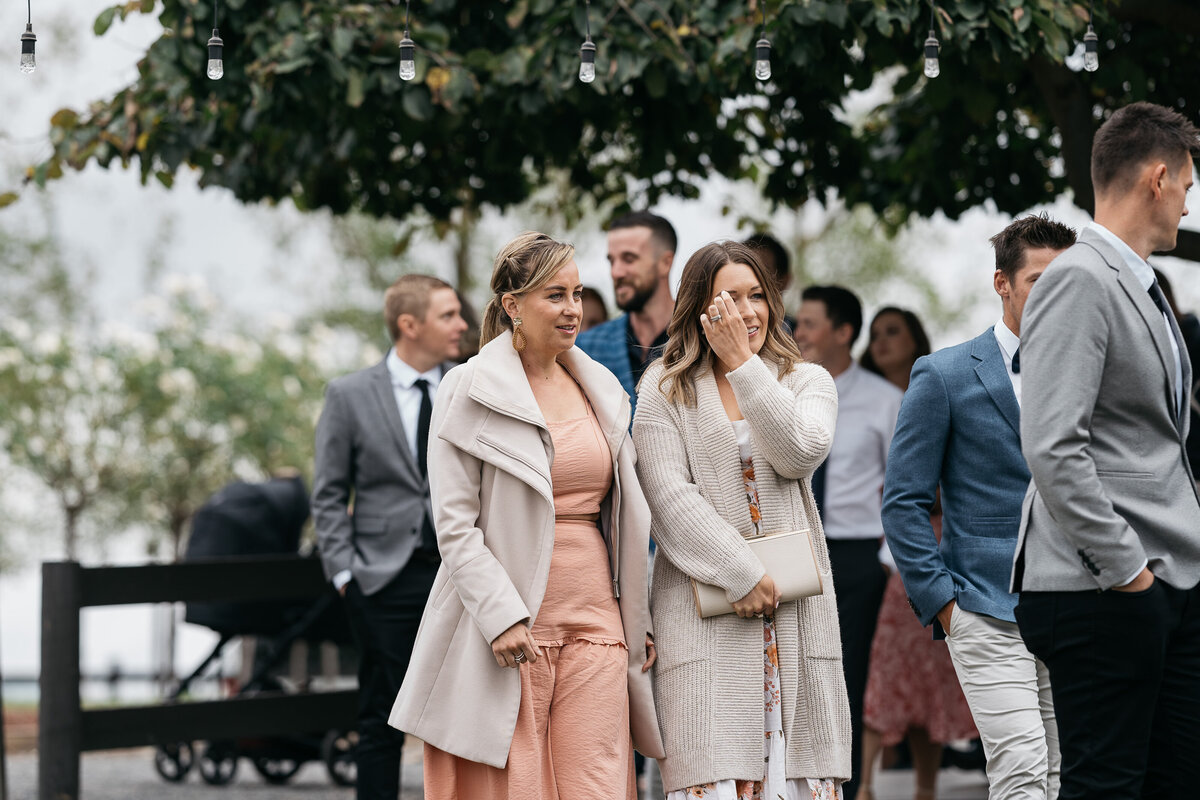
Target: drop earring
[[519, 341]]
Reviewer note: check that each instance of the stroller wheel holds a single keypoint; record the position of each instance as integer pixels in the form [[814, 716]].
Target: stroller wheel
[[276, 770], [218, 763], [337, 751], [173, 761]]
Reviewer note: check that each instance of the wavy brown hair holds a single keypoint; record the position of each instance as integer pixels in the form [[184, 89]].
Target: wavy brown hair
[[526, 263], [687, 350]]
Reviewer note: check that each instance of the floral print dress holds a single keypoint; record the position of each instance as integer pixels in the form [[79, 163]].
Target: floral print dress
[[775, 784]]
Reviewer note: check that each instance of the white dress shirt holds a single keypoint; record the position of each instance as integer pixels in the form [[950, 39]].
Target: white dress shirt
[[408, 396], [1009, 342], [867, 410], [408, 401]]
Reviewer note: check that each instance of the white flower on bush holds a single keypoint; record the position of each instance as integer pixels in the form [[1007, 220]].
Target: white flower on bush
[[177, 382], [19, 329], [47, 343], [10, 357], [291, 386]]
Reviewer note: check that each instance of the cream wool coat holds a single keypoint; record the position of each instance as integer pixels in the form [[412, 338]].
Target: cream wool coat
[[489, 471], [709, 675]]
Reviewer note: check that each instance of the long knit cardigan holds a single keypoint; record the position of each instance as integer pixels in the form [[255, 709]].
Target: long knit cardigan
[[708, 681]]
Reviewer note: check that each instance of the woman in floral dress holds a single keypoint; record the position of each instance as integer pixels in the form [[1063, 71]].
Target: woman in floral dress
[[730, 426]]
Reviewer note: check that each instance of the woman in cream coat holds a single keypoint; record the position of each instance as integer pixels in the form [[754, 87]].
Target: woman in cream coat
[[730, 426], [484, 665]]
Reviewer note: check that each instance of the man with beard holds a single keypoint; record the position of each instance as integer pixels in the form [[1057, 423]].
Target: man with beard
[[641, 249]]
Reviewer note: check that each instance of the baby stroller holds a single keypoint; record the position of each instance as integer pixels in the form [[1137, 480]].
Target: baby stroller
[[259, 519]]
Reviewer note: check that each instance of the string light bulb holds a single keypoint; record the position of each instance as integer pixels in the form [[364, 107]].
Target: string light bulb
[[933, 64], [216, 51], [408, 51], [28, 43], [587, 50], [1091, 46], [762, 48]]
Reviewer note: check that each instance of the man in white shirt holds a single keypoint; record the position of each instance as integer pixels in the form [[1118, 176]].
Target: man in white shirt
[[848, 486], [371, 506], [959, 429]]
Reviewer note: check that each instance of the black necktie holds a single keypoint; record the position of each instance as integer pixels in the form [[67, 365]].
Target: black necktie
[[1016, 362], [428, 536], [1160, 300], [423, 418]]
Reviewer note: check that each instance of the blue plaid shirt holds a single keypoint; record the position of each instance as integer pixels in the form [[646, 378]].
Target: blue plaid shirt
[[609, 344]]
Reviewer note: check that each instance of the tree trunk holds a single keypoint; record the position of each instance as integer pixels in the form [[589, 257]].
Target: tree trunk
[[462, 251], [71, 532]]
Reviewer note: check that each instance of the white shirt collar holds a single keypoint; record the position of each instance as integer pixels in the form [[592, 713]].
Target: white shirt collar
[[1141, 270], [404, 375], [1008, 341]]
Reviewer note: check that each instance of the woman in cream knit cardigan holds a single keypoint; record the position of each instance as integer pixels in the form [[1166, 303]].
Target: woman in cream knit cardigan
[[730, 426]]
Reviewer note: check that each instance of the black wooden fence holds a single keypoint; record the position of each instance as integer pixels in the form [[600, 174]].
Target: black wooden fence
[[65, 729]]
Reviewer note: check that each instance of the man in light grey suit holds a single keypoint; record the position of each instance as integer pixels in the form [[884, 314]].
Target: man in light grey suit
[[371, 506], [1108, 558]]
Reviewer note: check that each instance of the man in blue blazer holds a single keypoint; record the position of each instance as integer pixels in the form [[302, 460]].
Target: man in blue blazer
[[641, 250], [959, 428]]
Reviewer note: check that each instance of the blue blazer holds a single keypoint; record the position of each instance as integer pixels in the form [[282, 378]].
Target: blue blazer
[[959, 426], [607, 343]]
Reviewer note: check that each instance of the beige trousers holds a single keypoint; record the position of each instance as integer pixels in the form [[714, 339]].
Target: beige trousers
[[1008, 691]]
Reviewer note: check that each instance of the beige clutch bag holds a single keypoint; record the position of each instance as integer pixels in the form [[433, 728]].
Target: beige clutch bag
[[789, 560]]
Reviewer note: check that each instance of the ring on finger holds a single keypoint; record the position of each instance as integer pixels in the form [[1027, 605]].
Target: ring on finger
[[519, 657], [715, 318]]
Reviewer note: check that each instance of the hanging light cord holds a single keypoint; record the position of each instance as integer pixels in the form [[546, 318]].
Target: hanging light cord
[[587, 18], [932, 13], [1091, 11], [406, 6], [29, 9], [215, 25], [762, 7]]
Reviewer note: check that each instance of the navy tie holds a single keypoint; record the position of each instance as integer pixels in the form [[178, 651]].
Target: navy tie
[[1016, 362]]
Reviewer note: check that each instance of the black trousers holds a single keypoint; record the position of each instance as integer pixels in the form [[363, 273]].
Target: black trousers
[[1125, 677], [859, 581], [385, 625]]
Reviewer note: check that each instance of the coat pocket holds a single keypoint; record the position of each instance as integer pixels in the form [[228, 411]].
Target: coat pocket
[[822, 638]]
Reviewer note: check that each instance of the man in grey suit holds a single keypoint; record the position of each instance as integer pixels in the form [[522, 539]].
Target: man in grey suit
[[959, 429], [371, 506], [1108, 558]]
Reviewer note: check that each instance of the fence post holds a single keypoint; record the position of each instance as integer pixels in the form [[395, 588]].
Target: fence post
[[59, 715]]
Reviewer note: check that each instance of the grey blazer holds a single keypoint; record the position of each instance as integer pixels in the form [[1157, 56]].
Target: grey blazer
[[1105, 444], [363, 455]]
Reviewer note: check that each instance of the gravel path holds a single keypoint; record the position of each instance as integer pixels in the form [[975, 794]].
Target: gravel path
[[130, 775]]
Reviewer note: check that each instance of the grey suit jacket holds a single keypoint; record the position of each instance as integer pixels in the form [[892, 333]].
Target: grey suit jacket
[[363, 455], [1105, 445]]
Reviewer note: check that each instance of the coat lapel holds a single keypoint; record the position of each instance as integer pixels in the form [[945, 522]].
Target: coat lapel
[[1146, 309], [993, 374], [381, 385], [499, 421]]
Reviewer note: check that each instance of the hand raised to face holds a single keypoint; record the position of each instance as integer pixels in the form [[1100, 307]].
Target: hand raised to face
[[727, 334]]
